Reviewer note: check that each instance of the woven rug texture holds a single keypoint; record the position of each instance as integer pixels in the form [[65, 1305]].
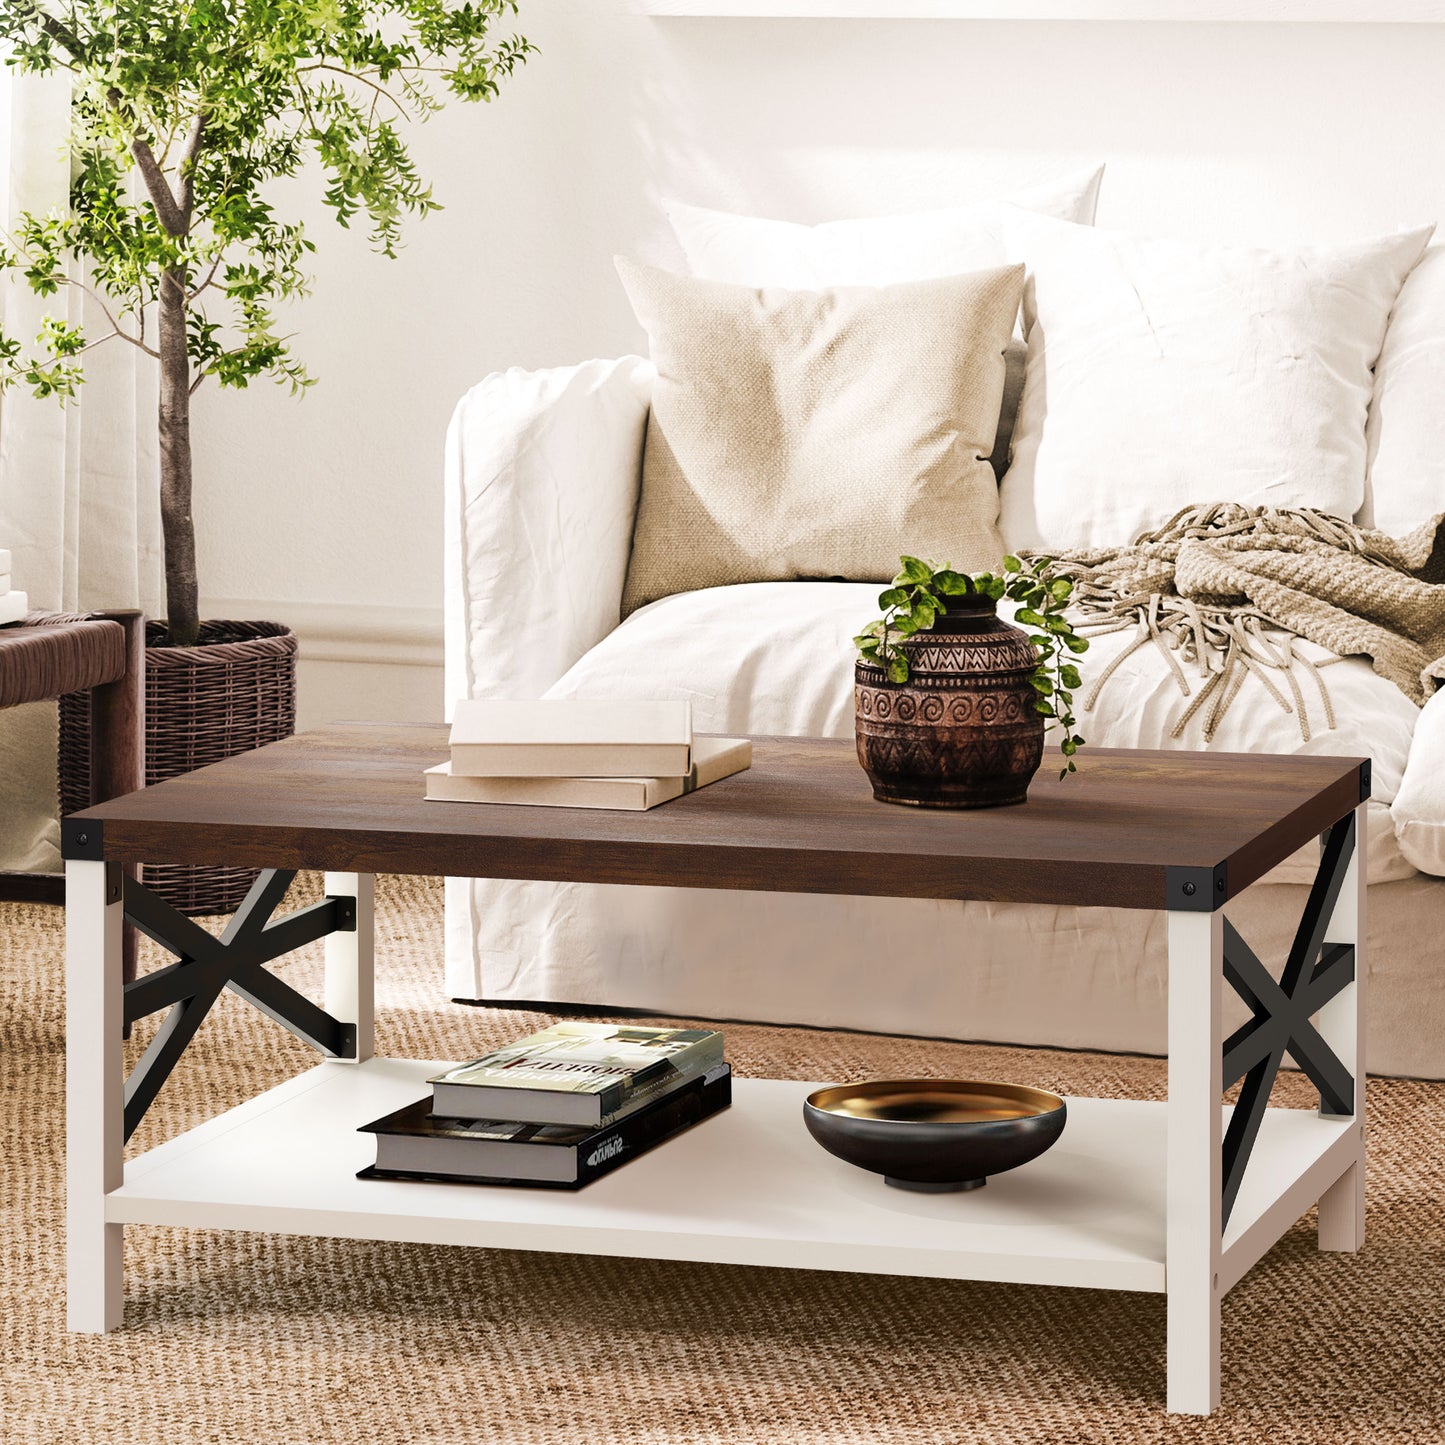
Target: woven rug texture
[[237, 1337]]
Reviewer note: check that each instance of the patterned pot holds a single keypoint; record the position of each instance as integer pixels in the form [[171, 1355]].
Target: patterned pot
[[962, 732]]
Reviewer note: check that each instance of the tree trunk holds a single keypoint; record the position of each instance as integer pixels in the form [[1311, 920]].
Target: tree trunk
[[174, 426]]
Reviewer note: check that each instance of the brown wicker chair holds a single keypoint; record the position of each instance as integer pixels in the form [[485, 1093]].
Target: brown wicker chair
[[103, 653]]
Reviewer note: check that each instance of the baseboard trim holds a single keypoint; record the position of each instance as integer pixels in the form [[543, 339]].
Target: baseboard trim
[[351, 632]]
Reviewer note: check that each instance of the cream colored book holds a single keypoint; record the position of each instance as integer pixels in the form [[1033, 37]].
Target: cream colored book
[[713, 759], [563, 738]]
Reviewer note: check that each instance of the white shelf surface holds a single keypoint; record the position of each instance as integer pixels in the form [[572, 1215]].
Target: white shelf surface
[[748, 1186], [1262, 11]]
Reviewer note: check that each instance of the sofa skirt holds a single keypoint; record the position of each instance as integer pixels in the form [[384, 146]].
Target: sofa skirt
[[1080, 978]]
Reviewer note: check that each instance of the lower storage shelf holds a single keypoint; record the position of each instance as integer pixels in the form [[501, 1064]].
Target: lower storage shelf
[[748, 1186]]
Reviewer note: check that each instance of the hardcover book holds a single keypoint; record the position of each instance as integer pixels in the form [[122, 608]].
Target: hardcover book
[[712, 760], [414, 1143], [571, 1073], [564, 738]]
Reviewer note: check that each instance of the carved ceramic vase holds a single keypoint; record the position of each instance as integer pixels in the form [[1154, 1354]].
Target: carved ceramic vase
[[963, 731]]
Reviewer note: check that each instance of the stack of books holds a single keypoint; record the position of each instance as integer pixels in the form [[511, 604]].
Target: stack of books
[[557, 1109], [568, 754]]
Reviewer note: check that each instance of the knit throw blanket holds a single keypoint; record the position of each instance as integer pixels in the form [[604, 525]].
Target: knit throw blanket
[[1225, 591]]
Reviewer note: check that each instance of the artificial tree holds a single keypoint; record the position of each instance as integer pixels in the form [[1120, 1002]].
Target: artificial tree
[[184, 114]]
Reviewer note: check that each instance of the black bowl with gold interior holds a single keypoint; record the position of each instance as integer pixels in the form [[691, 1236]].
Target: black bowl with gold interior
[[934, 1135]]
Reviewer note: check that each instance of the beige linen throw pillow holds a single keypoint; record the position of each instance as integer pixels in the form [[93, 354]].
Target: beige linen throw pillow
[[803, 434]]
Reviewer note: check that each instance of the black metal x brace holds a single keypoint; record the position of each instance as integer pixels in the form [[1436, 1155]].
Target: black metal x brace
[[207, 964], [1313, 974]]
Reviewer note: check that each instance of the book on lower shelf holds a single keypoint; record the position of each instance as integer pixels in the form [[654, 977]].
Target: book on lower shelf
[[572, 1073], [414, 1143], [567, 738], [712, 760]]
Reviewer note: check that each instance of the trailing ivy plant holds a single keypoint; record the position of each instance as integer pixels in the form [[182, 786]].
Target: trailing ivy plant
[[188, 118], [920, 593]]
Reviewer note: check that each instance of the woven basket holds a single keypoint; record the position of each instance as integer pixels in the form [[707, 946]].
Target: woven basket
[[234, 691]]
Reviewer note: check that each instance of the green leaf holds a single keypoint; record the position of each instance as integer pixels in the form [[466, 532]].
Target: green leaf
[[952, 584], [898, 668], [994, 587], [1075, 643], [1029, 618], [1041, 684], [893, 597], [1044, 706], [1062, 588], [1069, 676], [1012, 564], [905, 625], [912, 571]]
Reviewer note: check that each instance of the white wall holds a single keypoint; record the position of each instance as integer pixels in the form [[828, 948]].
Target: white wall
[[326, 511]]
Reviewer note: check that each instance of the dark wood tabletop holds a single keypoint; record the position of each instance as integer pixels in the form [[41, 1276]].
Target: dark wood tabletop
[[1132, 829]]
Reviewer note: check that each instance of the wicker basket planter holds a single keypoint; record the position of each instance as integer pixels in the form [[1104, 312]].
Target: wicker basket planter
[[234, 691]]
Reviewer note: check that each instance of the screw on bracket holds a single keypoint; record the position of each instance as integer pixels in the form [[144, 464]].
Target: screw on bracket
[[344, 912], [1195, 889], [82, 839]]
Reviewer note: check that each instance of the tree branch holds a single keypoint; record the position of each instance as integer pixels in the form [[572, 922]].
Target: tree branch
[[57, 30], [352, 75], [116, 329], [187, 167], [172, 217], [210, 276], [75, 355]]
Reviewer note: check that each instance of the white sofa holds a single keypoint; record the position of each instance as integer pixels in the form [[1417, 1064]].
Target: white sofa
[[542, 481]]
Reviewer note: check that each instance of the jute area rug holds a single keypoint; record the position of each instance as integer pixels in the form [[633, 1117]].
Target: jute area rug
[[246, 1338]]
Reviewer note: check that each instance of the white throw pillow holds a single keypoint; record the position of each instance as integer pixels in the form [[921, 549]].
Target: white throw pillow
[[871, 251], [1406, 433], [1419, 806], [1164, 373], [880, 251]]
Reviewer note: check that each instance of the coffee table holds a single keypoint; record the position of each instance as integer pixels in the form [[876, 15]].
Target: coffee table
[[1182, 1197]]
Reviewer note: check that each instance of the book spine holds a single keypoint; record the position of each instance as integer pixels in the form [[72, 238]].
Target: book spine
[[664, 1074], [642, 1131]]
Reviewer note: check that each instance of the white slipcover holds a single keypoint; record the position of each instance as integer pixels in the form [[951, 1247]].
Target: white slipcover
[[542, 474]]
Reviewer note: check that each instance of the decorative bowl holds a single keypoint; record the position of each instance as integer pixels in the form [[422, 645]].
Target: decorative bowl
[[934, 1135]]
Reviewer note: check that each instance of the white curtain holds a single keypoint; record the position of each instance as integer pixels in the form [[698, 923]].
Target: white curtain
[[78, 495]]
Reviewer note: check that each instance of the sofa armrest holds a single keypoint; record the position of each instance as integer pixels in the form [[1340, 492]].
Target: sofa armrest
[[542, 477], [1418, 809]]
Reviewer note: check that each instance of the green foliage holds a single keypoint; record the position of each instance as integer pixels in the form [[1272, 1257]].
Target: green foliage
[[185, 115], [920, 592]]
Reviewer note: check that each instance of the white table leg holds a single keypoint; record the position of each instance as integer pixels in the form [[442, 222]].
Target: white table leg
[[94, 1094], [1194, 1167], [1342, 1026], [350, 965]]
